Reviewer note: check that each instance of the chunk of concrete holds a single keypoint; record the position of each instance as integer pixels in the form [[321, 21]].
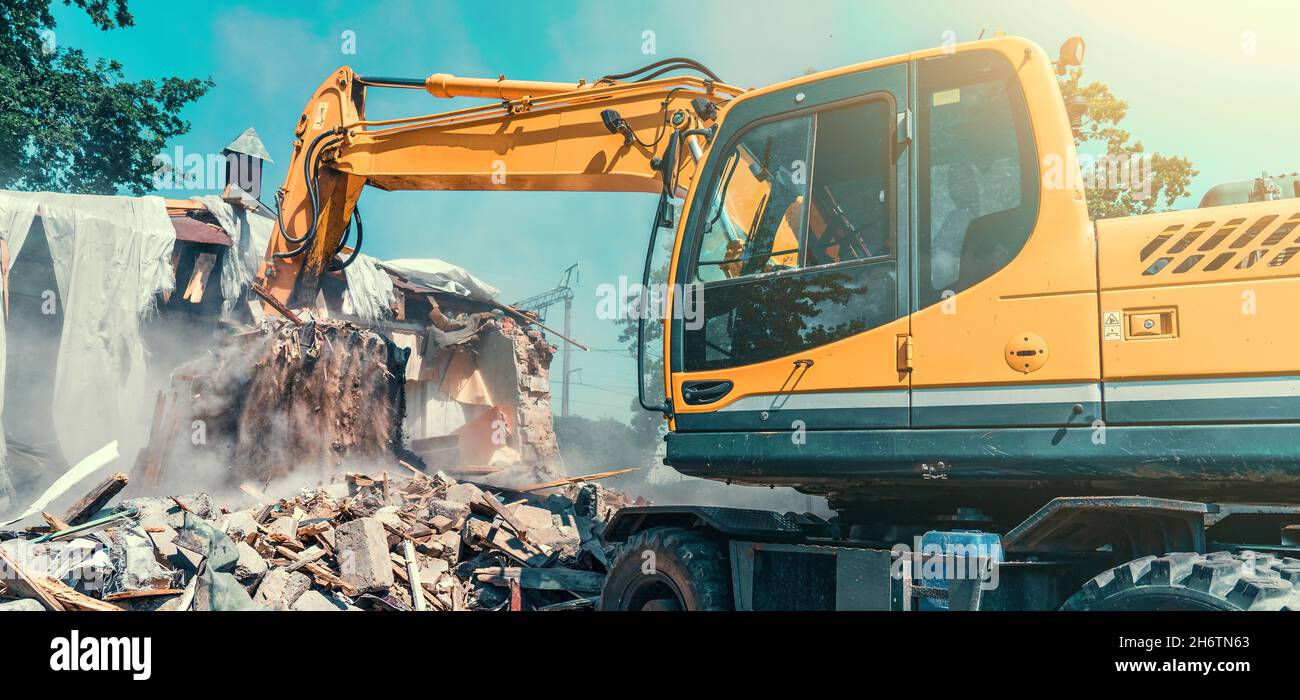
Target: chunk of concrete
[[240, 525], [285, 526], [281, 588], [450, 542], [463, 493], [388, 516], [433, 569], [337, 491], [546, 528], [250, 567], [315, 601], [23, 605], [152, 512], [362, 547], [451, 511]]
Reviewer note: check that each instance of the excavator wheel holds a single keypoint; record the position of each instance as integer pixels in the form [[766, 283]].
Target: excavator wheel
[[668, 568], [1189, 581]]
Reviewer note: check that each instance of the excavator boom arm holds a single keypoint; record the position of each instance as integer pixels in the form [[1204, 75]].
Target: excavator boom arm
[[605, 136]]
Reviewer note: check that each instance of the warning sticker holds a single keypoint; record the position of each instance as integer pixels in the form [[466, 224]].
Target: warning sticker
[[321, 109], [1111, 327]]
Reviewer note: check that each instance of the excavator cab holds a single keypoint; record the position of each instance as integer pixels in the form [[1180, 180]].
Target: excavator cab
[[843, 221]]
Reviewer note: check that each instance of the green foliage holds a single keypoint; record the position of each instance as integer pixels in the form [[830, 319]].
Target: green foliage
[[1170, 175], [71, 125]]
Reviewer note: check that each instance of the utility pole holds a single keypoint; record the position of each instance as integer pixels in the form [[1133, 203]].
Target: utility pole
[[568, 347], [538, 304]]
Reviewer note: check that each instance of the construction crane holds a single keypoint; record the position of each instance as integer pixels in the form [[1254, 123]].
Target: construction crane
[[883, 287], [538, 304]]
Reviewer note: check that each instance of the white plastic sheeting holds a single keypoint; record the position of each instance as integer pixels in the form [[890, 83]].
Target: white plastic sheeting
[[443, 275], [370, 288], [249, 232], [111, 255], [16, 214]]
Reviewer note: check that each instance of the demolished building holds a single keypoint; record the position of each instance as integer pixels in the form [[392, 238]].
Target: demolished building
[[105, 296]]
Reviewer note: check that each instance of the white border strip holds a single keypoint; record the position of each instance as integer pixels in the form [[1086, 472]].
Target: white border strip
[[1004, 395], [1203, 389]]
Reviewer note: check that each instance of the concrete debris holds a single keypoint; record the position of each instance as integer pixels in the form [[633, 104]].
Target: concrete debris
[[395, 540], [250, 567], [315, 601], [240, 526], [281, 588], [22, 605], [362, 546]]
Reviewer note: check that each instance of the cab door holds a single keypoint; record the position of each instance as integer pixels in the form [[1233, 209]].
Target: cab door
[[793, 262], [1005, 286]]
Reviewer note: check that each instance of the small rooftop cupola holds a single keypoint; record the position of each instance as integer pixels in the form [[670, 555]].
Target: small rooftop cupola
[[244, 157]]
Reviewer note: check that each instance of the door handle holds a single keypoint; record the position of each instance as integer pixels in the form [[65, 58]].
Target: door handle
[[705, 391]]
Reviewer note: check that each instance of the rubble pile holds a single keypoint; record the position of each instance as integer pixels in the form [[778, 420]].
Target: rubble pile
[[422, 542]]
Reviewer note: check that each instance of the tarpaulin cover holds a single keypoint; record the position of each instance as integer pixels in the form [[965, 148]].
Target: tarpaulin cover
[[111, 255], [370, 288], [16, 214], [217, 587], [249, 234], [438, 274]]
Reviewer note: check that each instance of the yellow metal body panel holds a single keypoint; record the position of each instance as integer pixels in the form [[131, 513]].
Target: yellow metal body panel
[[1219, 286]]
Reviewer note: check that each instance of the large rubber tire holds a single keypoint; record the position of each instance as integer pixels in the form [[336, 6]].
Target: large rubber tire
[[689, 572], [1189, 581]]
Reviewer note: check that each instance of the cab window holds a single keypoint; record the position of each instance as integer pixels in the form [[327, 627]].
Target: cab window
[[797, 246], [978, 195]]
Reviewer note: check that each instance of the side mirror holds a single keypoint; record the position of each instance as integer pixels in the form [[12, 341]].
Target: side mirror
[[1072, 51]]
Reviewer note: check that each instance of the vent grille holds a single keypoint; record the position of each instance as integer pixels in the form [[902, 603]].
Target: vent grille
[[1175, 251]]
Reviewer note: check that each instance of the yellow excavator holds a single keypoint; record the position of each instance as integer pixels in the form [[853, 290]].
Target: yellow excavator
[[873, 284]]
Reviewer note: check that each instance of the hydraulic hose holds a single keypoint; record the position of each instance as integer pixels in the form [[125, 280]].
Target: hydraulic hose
[[676, 63], [311, 161]]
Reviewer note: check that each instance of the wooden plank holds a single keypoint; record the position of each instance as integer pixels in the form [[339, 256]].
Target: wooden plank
[[575, 479], [54, 522], [495, 506], [274, 303], [306, 557], [72, 599], [319, 571], [145, 459], [257, 495], [154, 478], [25, 584], [488, 535], [553, 579], [127, 595], [95, 501]]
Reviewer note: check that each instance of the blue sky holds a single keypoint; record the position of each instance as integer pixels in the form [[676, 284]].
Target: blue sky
[[1207, 80]]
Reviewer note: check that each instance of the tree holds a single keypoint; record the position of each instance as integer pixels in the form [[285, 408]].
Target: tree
[[597, 445], [75, 126], [1170, 176]]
